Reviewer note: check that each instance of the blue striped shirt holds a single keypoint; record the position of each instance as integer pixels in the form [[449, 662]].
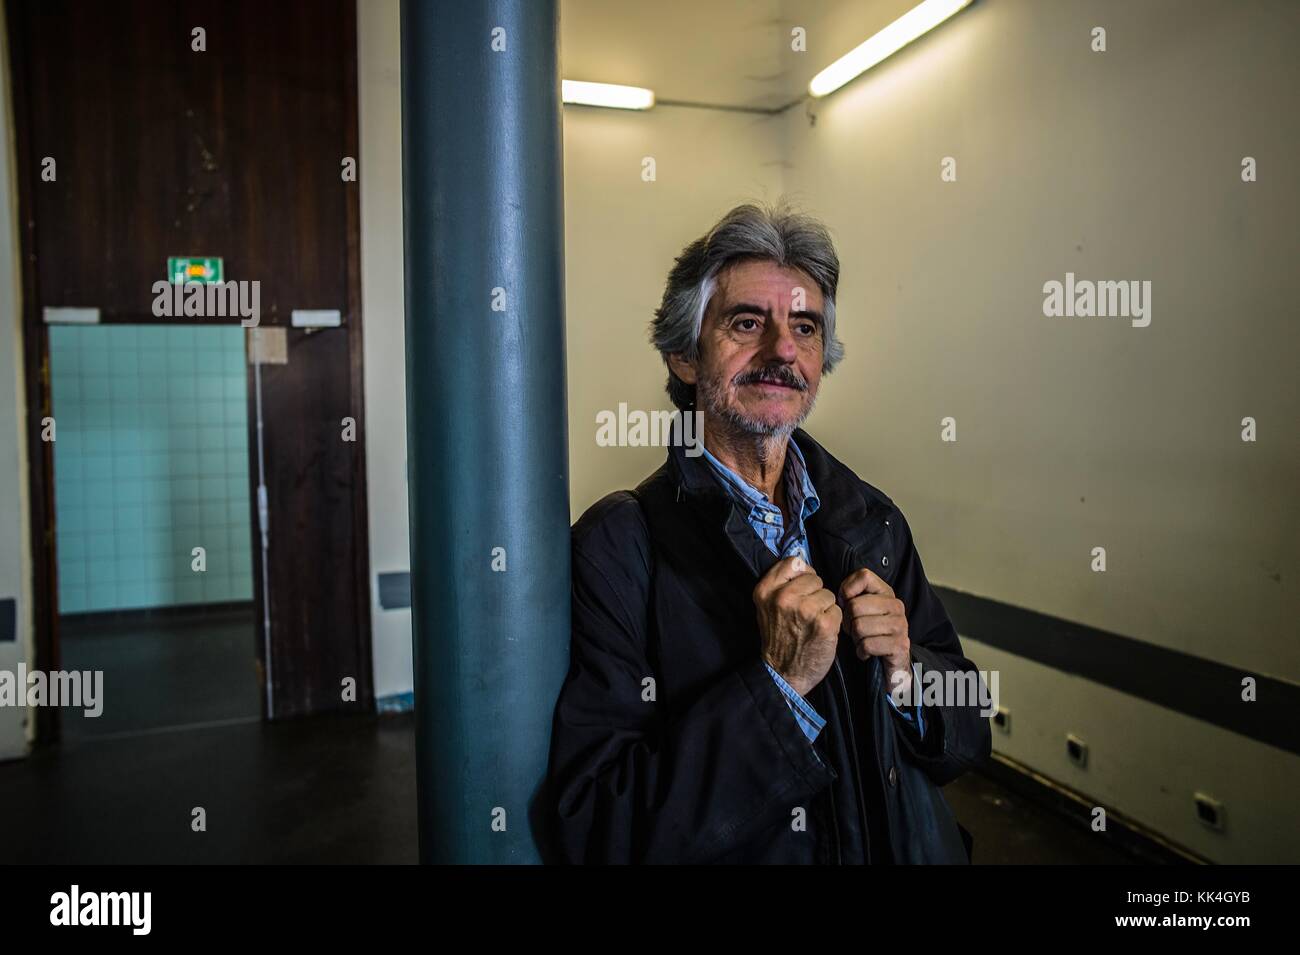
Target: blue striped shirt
[[769, 524]]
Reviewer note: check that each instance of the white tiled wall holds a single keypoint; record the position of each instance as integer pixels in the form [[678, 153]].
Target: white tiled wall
[[150, 461]]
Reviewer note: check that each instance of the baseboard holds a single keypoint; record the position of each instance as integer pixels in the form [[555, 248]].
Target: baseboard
[[179, 611], [1143, 843]]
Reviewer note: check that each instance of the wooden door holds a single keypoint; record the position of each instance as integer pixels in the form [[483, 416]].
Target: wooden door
[[181, 128]]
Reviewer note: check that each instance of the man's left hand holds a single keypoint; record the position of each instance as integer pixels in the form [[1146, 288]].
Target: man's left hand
[[877, 621]]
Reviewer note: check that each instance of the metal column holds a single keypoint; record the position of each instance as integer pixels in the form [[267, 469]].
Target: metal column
[[486, 425]]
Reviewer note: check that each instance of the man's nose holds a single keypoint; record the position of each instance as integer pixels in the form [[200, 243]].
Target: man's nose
[[779, 343]]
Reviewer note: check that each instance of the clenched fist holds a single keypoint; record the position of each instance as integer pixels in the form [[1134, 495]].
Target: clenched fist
[[876, 620], [799, 621]]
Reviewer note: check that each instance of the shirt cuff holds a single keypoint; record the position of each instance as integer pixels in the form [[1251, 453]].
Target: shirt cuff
[[809, 720], [912, 713]]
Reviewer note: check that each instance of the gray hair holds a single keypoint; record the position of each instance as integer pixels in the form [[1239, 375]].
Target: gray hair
[[775, 233]]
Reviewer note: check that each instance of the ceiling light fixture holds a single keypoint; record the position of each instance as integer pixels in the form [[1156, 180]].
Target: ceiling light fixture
[[920, 19], [609, 95]]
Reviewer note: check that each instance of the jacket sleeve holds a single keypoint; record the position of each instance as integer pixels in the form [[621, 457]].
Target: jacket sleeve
[[957, 737], [632, 781]]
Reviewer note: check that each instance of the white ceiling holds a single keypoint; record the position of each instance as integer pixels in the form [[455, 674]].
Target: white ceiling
[[733, 53]]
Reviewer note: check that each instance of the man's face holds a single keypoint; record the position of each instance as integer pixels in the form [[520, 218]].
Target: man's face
[[760, 351]]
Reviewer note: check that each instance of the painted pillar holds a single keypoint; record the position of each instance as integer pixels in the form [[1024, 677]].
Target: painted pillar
[[487, 430]]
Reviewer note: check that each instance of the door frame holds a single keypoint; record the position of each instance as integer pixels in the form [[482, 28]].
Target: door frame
[[36, 387], [35, 347]]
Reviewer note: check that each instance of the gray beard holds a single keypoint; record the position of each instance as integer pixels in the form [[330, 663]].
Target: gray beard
[[742, 427]]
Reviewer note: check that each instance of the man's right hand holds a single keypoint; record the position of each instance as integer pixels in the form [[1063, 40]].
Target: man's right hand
[[799, 621]]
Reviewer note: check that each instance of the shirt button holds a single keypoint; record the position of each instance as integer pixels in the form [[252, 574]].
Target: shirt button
[[769, 517], [893, 776]]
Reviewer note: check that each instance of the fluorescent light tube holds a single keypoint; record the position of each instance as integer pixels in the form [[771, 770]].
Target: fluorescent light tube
[[920, 19], [606, 94]]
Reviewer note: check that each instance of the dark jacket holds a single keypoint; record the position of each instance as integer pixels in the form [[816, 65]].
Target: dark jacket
[[671, 741]]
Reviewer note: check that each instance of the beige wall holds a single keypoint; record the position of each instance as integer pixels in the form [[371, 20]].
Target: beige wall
[[1074, 433], [621, 236], [380, 175]]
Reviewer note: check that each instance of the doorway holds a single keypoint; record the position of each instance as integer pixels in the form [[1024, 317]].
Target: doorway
[[142, 141], [153, 524]]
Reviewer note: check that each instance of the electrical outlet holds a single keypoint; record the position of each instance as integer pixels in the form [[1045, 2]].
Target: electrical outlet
[[1077, 750], [1209, 811], [1002, 720]]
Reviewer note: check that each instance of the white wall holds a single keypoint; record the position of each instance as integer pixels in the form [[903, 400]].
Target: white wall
[[1085, 432], [382, 297], [15, 542]]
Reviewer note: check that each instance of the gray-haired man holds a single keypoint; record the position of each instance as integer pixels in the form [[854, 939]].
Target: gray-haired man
[[746, 623]]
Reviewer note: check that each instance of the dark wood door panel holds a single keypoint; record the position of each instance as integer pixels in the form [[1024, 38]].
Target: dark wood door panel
[[161, 150], [235, 152], [311, 485]]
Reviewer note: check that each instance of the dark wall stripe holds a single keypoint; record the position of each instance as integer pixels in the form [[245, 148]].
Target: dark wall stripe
[[8, 620], [1190, 685]]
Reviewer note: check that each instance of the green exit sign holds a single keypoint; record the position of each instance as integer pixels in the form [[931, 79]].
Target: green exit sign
[[203, 270]]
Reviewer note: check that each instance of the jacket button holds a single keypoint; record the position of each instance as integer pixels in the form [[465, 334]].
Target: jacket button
[[884, 560], [893, 775]]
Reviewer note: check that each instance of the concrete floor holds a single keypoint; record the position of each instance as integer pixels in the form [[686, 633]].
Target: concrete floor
[[182, 729], [330, 790], [327, 789], [1011, 830]]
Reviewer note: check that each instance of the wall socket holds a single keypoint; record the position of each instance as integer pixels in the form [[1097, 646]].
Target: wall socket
[[1209, 811], [1002, 720], [1077, 750]]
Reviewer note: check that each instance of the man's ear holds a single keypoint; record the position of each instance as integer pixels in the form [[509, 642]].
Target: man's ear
[[682, 368]]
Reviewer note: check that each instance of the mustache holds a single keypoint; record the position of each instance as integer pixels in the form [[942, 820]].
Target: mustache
[[774, 375]]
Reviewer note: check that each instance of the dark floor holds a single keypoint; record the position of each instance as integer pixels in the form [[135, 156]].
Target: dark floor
[[164, 669], [181, 728], [329, 790], [326, 789], [1012, 830]]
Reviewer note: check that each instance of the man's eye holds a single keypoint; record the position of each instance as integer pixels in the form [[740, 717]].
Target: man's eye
[[746, 324], [807, 329]]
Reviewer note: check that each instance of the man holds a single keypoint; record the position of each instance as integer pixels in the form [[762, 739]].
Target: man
[[745, 623]]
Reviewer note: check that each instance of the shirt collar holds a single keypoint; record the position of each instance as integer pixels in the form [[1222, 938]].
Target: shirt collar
[[799, 488]]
